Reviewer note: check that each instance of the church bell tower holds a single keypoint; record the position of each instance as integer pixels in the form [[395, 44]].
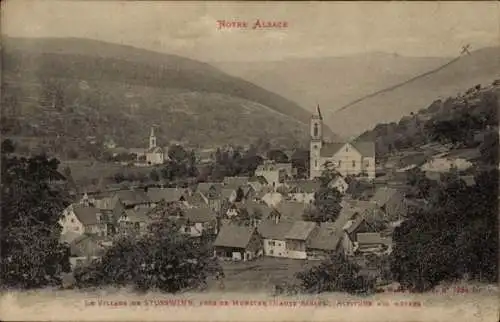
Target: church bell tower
[[152, 138], [316, 129]]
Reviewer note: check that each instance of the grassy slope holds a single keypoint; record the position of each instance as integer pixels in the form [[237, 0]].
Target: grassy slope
[[120, 91]]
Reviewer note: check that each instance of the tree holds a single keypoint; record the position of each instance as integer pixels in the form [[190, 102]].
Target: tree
[[153, 175], [31, 206], [8, 146], [277, 156], [335, 274], [163, 259], [452, 238], [177, 153], [326, 200]]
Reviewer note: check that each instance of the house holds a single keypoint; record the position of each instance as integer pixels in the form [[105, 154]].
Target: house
[[274, 176], [273, 234], [340, 184], [194, 200], [82, 219], [297, 238], [133, 198], [110, 206], [256, 210], [272, 199], [291, 210], [236, 182], [445, 164], [249, 193], [84, 250], [211, 193], [303, 190], [327, 241], [205, 156], [238, 243], [348, 158], [195, 221], [134, 222], [392, 203], [287, 167], [373, 242], [168, 195], [257, 183], [229, 194]]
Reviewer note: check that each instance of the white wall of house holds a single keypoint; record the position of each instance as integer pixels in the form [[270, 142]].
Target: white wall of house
[[306, 198], [275, 248], [193, 230], [272, 198], [347, 245], [274, 178], [444, 164], [296, 249], [70, 222]]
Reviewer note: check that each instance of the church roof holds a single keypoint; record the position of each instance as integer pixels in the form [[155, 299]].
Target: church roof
[[330, 148], [366, 148]]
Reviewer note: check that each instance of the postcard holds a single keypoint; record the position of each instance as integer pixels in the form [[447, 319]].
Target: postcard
[[249, 161]]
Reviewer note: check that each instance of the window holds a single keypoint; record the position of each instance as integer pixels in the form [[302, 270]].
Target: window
[[346, 148], [187, 229], [340, 163], [316, 130], [72, 220], [316, 163], [367, 163], [271, 243], [353, 163]]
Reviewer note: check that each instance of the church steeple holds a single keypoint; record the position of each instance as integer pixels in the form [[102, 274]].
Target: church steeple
[[317, 125], [152, 138]]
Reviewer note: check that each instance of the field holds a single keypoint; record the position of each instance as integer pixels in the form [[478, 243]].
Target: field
[[261, 274], [90, 173]]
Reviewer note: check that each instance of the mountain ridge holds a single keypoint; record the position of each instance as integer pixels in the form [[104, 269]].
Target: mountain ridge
[[103, 88]]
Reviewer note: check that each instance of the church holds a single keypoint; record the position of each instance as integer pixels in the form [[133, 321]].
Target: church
[[348, 158], [155, 154]]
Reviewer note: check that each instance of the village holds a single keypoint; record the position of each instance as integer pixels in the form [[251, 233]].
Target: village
[[259, 228]]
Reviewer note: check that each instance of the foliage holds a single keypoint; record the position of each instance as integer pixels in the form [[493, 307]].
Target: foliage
[[277, 156], [454, 237], [335, 274], [300, 161], [326, 200], [31, 207], [455, 121], [246, 218], [423, 185], [233, 163], [164, 259]]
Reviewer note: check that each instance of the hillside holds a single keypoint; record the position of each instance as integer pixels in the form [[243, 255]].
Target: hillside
[[73, 88], [335, 82], [467, 122]]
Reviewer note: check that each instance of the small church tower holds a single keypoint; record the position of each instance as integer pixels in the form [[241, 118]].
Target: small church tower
[[152, 138], [316, 144]]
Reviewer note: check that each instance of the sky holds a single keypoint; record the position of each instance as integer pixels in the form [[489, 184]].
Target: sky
[[315, 29]]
